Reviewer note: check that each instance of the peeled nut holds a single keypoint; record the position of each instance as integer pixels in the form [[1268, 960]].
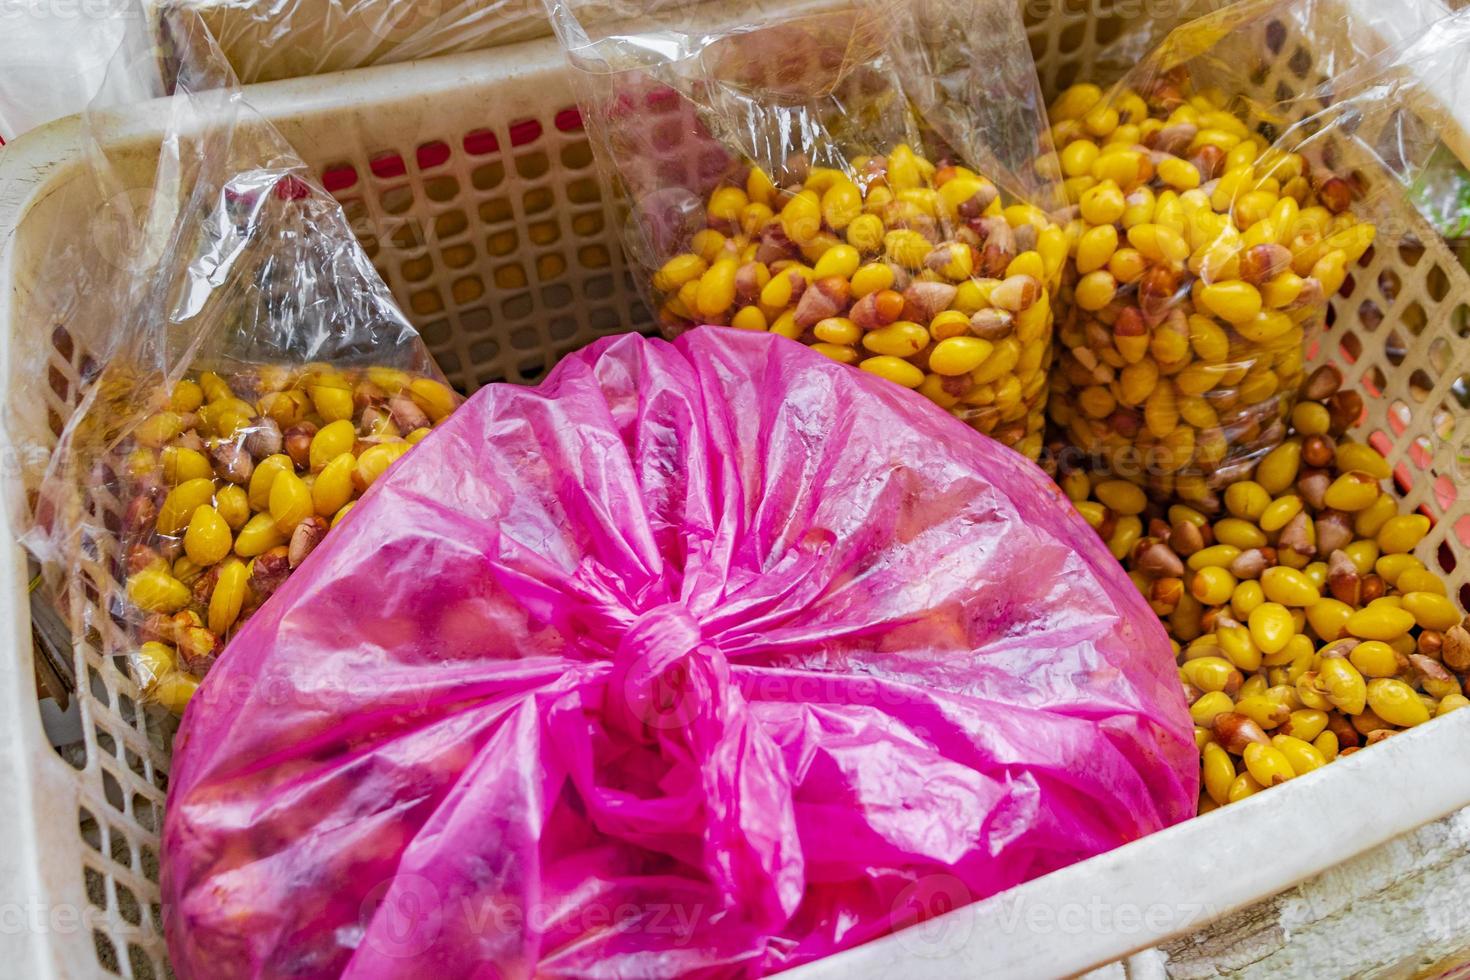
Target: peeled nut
[[304, 539]]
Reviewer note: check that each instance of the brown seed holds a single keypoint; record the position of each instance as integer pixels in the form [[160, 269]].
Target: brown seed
[[1335, 194], [1343, 580], [1340, 648], [198, 648], [1159, 560], [1373, 588], [1191, 693], [1322, 384], [1130, 323], [304, 539], [1455, 650], [1318, 451], [1311, 296], [1235, 731], [269, 571], [748, 283], [1344, 410], [1167, 591], [1209, 160], [1159, 529], [1334, 531], [1156, 294], [140, 557], [1347, 735], [1380, 735], [1262, 263], [1429, 668], [263, 438], [923, 301], [992, 324], [1185, 538], [298, 443], [203, 588], [140, 515], [157, 627], [1430, 643], [1312, 487], [232, 463], [1249, 564], [1297, 535], [1173, 140]]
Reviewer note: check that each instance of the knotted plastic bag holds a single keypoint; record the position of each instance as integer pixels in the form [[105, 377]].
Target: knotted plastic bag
[[709, 658]]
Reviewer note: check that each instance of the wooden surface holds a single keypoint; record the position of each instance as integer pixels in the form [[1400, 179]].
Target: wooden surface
[[1399, 911]]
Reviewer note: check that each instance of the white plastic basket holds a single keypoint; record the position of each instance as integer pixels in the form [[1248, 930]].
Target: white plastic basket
[[472, 186]]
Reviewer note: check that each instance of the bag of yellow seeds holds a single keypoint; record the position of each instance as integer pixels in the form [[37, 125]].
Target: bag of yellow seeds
[[227, 375], [868, 178], [1221, 195]]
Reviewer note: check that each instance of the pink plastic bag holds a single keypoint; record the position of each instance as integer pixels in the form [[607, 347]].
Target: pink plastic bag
[[709, 658]]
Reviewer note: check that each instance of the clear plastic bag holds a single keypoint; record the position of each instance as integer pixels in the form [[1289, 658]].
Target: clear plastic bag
[[292, 38], [705, 658], [807, 170], [1232, 197], [244, 375]]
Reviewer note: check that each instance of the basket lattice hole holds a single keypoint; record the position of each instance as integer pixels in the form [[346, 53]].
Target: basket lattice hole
[[441, 189], [511, 276], [533, 165], [605, 318], [1421, 452], [467, 289], [59, 384], [140, 964], [562, 327], [476, 321], [524, 339], [1369, 315], [517, 307], [117, 846], [155, 912], [488, 176], [450, 364], [588, 223], [502, 242], [1439, 355], [112, 791], [459, 256], [584, 191], [90, 830], [599, 287], [1351, 347], [397, 200], [1414, 318], [1375, 381], [1445, 494], [427, 303], [1348, 285], [1395, 347], [543, 232], [1389, 284], [148, 859], [145, 813], [97, 687], [550, 266], [538, 199], [1398, 416], [1300, 62], [1437, 284], [449, 224], [419, 269], [106, 951], [556, 295], [576, 156], [594, 256], [128, 711], [484, 350], [127, 904], [106, 742], [96, 885], [435, 332], [532, 370], [1420, 385]]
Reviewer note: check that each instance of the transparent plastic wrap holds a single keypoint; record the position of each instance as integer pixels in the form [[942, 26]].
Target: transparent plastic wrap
[[246, 376], [868, 177], [292, 38], [1221, 194], [699, 659]]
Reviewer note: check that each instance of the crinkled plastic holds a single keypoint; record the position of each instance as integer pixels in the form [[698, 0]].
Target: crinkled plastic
[[1236, 191], [704, 658], [210, 258], [291, 38], [805, 169]]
